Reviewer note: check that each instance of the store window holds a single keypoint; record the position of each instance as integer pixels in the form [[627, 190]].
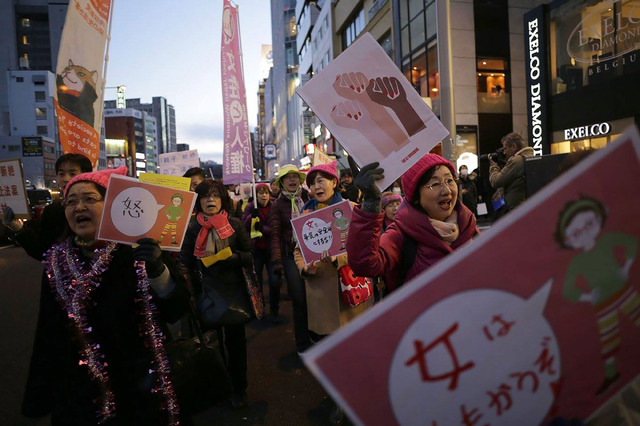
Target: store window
[[491, 82], [589, 136], [591, 42]]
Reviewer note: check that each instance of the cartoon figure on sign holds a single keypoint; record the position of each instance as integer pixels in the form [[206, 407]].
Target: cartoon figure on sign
[[580, 228], [173, 213], [341, 223], [76, 87]]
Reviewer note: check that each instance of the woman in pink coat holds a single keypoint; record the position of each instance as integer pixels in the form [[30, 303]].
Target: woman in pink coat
[[430, 223]]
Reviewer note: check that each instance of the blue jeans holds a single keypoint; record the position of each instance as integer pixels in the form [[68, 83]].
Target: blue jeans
[[298, 293], [261, 260]]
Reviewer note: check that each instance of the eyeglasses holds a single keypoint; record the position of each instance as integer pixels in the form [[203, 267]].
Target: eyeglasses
[[437, 186], [87, 200], [213, 195]]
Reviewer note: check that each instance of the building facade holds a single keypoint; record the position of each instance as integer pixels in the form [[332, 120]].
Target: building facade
[[129, 135]]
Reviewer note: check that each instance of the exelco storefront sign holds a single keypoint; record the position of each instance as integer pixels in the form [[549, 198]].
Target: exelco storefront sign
[[585, 132], [536, 68]]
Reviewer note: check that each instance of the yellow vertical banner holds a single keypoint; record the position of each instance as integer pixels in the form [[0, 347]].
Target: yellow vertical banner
[[80, 77]]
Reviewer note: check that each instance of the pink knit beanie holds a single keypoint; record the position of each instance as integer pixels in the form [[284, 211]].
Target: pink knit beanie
[[100, 177], [264, 185], [412, 176], [330, 169]]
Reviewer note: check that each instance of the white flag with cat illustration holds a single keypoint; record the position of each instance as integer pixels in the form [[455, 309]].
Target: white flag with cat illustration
[[79, 77]]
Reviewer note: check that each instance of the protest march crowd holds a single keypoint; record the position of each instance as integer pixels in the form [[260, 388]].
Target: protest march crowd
[[103, 348]]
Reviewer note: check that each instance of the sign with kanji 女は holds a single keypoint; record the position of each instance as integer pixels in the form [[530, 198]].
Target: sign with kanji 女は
[[324, 229], [536, 319]]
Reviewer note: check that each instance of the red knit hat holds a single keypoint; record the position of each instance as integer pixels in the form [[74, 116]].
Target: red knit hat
[[330, 169], [265, 185], [412, 176], [100, 177]]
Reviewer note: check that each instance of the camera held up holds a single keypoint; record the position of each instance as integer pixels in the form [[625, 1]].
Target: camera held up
[[497, 156]]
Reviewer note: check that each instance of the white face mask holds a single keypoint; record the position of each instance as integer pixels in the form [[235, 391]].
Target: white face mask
[[397, 190], [464, 173]]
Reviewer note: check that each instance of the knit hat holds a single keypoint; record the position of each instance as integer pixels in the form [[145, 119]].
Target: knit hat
[[411, 177], [330, 169], [388, 197], [263, 185], [100, 177], [285, 170]]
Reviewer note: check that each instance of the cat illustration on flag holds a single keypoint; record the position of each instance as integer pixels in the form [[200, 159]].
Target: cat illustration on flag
[[76, 87]]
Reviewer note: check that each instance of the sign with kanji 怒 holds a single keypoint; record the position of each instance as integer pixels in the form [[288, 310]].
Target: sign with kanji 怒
[[537, 319], [135, 210]]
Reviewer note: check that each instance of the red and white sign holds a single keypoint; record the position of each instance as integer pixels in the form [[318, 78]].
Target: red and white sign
[[324, 229], [12, 191], [373, 110], [79, 77], [238, 161], [537, 318]]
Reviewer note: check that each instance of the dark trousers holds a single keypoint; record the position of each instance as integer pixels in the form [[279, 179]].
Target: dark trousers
[[298, 293], [236, 345], [261, 260]]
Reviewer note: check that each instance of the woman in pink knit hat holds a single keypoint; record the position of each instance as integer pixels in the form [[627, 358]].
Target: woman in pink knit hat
[[429, 224], [99, 355], [326, 309]]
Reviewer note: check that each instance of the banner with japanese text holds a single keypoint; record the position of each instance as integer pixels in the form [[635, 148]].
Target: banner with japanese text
[[12, 191], [537, 320], [237, 158], [177, 163], [134, 210], [79, 77]]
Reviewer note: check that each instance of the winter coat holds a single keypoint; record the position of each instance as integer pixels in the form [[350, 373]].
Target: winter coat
[[511, 177], [470, 199], [38, 236], [264, 242], [224, 275], [326, 309], [282, 242], [372, 254], [59, 386]]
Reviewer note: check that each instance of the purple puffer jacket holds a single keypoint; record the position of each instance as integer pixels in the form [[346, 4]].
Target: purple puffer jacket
[[371, 254]]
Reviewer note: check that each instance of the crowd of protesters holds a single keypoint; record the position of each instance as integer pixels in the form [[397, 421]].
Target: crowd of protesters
[[92, 350]]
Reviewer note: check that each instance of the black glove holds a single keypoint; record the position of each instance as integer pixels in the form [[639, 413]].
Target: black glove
[[259, 226], [254, 213], [365, 179], [149, 251]]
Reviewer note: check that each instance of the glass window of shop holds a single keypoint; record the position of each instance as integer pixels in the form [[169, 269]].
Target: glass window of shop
[[593, 41], [418, 49], [492, 86]]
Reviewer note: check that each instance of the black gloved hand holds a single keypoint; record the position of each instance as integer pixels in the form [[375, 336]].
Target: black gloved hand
[[149, 251], [365, 179], [259, 226], [254, 213]]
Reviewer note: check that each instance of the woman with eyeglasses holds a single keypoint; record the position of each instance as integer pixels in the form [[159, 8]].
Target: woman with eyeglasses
[[429, 224], [102, 333], [215, 249]]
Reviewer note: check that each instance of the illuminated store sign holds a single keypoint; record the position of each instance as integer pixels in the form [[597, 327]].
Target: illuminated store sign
[[536, 67], [585, 132]]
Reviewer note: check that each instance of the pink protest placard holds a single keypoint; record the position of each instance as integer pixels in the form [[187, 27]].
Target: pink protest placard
[[134, 210], [373, 110], [324, 229], [537, 318]]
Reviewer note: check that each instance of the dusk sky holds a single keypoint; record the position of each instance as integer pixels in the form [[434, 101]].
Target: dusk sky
[[172, 49]]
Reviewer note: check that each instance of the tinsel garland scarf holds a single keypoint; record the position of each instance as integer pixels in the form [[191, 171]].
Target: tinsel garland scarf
[[73, 282]]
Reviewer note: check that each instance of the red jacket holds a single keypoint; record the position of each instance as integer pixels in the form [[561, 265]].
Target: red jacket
[[371, 254]]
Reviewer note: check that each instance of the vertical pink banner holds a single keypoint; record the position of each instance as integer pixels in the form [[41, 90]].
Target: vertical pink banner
[[237, 163]]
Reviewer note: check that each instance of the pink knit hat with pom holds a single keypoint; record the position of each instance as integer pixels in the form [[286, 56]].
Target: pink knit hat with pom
[[412, 176], [330, 169], [100, 177]]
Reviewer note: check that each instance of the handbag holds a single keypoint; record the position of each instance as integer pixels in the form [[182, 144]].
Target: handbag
[[199, 375], [355, 290], [239, 307]]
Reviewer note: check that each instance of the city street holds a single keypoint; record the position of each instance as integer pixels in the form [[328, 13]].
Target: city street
[[281, 391]]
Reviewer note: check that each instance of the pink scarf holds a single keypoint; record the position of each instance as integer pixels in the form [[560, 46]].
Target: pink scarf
[[219, 222], [448, 230]]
